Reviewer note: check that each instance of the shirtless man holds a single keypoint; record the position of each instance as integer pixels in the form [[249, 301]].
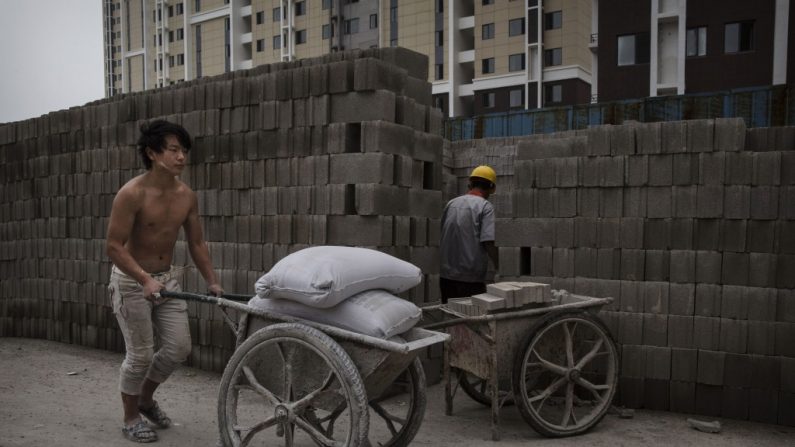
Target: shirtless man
[[146, 217]]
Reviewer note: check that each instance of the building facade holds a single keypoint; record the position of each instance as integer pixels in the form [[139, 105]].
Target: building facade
[[485, 56], [664, 47]]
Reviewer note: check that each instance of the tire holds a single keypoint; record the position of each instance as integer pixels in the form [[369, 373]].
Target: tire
[[567, 359], [412, 380], [291, 382], [478, 389]]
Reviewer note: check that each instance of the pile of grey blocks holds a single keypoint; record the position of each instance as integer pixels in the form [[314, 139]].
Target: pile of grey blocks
[[503, 296], [344, 149], [690, 227]]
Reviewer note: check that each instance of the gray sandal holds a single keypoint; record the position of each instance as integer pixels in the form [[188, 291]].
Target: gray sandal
[[139, 432], [155, 415]]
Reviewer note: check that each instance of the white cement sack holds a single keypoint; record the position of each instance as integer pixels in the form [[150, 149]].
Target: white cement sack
[[326, 275], [375, 312]]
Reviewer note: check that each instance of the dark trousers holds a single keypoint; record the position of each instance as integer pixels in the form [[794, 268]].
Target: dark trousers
[[457, 289]]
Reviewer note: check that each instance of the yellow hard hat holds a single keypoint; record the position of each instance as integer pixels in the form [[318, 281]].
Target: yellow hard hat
[[485, 172]]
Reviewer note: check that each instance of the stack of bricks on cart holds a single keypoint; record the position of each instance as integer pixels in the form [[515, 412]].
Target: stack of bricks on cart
[[690, 227], [501, 296], [338, 150]]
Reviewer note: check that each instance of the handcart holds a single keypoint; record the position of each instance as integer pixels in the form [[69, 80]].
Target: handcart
[[557, 362], [296, 382]]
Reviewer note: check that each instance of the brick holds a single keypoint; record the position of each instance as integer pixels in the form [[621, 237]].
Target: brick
[[736, 268], [648, 138], [361, 168], [685, 201], [608, 263], [363, 106], [631, 232], [708, 267], [657, 234], [637, 170], [585, 262], [710, 367], [739, 168], [656, 394], [764, 202], [786, 409], [588, 202], [510, 261], [706, 331], [655, 330], [761, 236], [622, 140], [737, 202], [660, 170], [674, 136], [761, 338], [682, 234], [785, 333], [633, 361], [761, 303], [525, 232], [630, 327], [785, 305], [763, 405], [700, 135], [562, 263], [710, 201], [680, 331], [684, 364], [360, 230], [631, 391], [657, 265], [683, 266], [785, 271], [733, 336], [635, 201], [632, 264], [767, 168], [682, 299], [734, 302], [682, 397], [786, 207], [729, 134], [735, 403], [709, 399]]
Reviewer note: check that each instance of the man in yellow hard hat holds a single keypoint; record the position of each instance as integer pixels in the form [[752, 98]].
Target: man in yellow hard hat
[[467, 238]]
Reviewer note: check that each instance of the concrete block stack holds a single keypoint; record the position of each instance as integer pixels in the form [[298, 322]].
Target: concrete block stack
[[338, 150], [504, 296], [689, 226]]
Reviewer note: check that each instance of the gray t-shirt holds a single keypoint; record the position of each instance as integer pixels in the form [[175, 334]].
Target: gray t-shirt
[[467, 221]]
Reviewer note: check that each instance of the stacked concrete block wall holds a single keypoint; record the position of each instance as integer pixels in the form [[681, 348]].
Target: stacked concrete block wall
[[338, 150], [690, 227]]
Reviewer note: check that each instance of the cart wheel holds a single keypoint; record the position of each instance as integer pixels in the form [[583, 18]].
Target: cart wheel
[[293, 382], [566, 376], [401, 414], [478, 389]]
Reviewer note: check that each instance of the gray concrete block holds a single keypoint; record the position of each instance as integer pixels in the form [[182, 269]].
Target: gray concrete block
[[685, 169], [685, 203], [657, 234], [658, 363], [541, 261], [729, 134], [363, 106], [635, 202], [767, 169], [360, 230], [588, 170], [734, 302], [632, 264], [425, 203], [710, 201], [761, 236], [525, 232], [764, 202], [386, 137], [637, 170], [608, 233], [611, 171], [710, 367], [785, 305], [733, 336], [648, 138], [680, 331], [630, 327], [372, 74], [674, 136], [786, 207], [510, 261], [655, 330], [761, 338], [657, 265], [708, 300], [631, 232], [622, 140], [660, 202], [418, 227], [608, 263], [736, 268], [340, 77], [739, 168], [599, 140], [611, 202], [732, 234], [682, 299], [361, 168], [633, 361], [700, 135], [655, 296], [708, 267], [684, 364], [788, 168], [562, 263], [712, 168], [588, 202], [737, 202], [683, 266], [631, 298], [785, 333], [585, 231], [585, 262], [661, 170]]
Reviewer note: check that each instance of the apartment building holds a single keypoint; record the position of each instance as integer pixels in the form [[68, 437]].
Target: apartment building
[[662, 47], [485, 56]]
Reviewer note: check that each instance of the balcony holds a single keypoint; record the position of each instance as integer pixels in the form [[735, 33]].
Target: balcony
[[593, 44]]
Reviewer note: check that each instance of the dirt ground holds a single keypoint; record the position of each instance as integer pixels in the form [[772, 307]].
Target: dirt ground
[[58, 394]]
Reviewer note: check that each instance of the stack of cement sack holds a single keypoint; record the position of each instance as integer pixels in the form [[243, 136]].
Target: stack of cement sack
[[511, 295], [347, 287]]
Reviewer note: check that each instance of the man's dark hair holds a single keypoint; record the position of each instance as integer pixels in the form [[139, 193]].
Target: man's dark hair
[[481, 183], [153, 136]]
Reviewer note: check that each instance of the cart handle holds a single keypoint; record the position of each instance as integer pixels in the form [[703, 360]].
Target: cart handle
[[391, 346]]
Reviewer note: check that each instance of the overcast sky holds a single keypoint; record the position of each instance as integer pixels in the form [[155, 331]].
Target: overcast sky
[[50, 56]]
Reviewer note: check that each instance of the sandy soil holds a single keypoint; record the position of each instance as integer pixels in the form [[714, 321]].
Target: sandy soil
[[42, 404]]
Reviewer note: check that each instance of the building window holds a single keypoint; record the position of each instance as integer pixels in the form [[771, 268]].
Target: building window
[[553, 93], [516, 98], [171, 61], [277, 14], [373, 21], [488, 100], [439, 72], [393, 42], [171, 11], [440, 5], [487, 2], [393, 14], [439, 38], [300, 36], [351, 26], [171, 36], [487, 31], [300, 8], [180, 59], [326, 33], [738, 37], [277, 42], [516, 27], [553, 56], [180, 9], [180, 33], [516, 62], [197, 5], [260, 45], [553, 20], [633, 49], [326, 4], [260, 17], [696, 41], [487, 65]]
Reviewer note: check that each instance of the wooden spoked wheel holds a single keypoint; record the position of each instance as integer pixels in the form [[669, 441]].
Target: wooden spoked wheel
[[292, 385], [565, 377], [400, 409]]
